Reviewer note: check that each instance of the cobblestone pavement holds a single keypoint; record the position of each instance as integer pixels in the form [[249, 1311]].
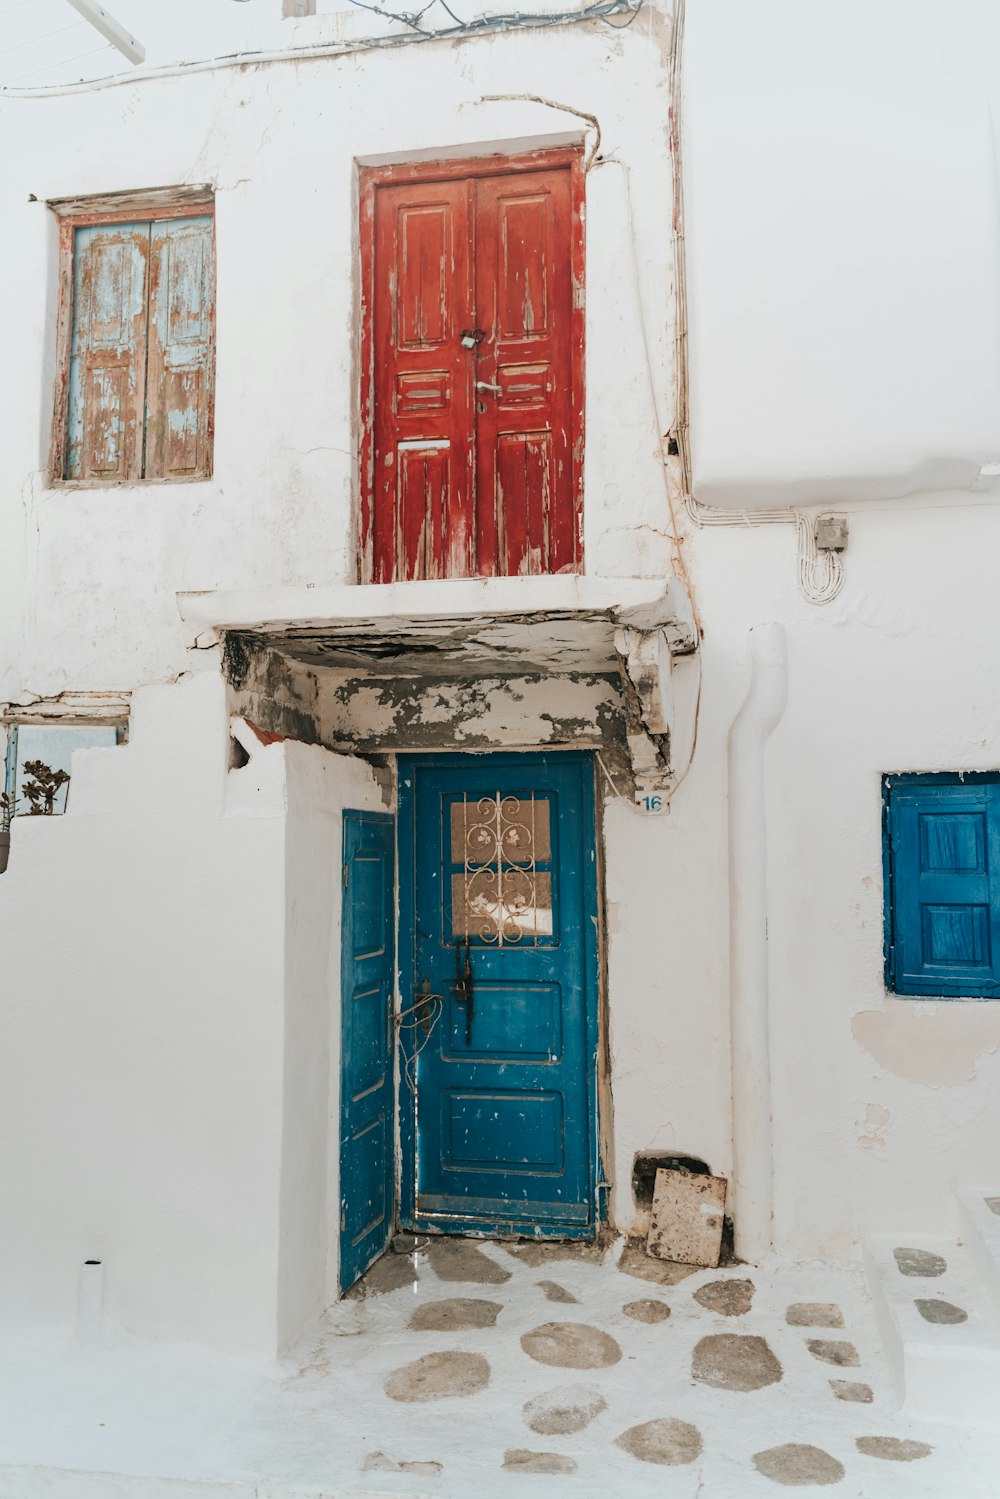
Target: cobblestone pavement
[[469, 1369]]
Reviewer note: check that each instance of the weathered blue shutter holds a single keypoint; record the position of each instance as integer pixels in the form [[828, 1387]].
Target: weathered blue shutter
[[181, 345], [108, 356], [943, 886], [367, 1117]]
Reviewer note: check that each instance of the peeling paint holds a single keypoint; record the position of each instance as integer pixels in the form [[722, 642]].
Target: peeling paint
[[936, 1045]]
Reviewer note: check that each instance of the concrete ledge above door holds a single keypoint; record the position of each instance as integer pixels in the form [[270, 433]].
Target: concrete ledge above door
[[463, 627]]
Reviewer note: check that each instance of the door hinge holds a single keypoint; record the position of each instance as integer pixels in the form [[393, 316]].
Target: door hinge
[[346, 876]]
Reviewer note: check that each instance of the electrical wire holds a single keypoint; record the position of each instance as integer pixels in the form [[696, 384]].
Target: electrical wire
[[64, 63], [411, 1053], [43, 38], [505, 21]]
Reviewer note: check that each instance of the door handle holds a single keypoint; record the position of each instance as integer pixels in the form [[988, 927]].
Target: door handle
[[463, 985], [485, 385]]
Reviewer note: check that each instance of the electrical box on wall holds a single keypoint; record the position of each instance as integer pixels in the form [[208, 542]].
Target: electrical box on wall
[[831, 533]]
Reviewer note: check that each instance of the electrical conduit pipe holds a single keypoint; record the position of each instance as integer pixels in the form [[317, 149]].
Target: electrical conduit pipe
[[748, 988]]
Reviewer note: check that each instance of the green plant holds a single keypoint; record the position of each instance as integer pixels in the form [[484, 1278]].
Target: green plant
[[8, 808], [42, 787]]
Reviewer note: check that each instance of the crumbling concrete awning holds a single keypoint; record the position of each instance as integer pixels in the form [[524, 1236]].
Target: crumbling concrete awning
[[458, 628]]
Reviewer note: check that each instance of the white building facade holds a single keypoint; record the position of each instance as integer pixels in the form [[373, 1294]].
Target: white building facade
[[780, 276]]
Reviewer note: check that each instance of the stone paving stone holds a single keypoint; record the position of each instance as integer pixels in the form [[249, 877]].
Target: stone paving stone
[[557, 1413], [943, 1312], [439, 1376], [555, 1292], [635, 1261], [456, 1259], [796, 1465], [814, 1314], [379, 1462], [518, 1460], [667, 1442], [646, 1311], [571, 1345], [852, 1389], [537, 1254], [456, 1314], [730, 1298], [732, 1361], [920, 1262], [893, 1449], [829, 1351], [387, 1274]]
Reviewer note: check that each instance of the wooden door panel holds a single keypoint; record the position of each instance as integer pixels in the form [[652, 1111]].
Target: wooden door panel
[[472, 462], [499, 901], [524, 293], [423, 432]]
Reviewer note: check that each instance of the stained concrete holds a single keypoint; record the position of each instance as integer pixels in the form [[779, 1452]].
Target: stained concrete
[[387, 1274], [665, 1441], [553, 1291], [730, 1298], [814, 1314], [852, 1390], [537, 1253], [647, 1311], [455, 1314], [833, 1351], [919, 1262], [380, 1462], [571, 1345], [893, 1449], [797, 1464], [732, 1361], [559, 1412], [635, 1261], [942, 1312], [519, 1460], [993, 1203], [439, 1376], [458, 1260]]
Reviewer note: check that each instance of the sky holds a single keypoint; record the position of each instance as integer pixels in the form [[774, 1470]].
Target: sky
[[46, 42]]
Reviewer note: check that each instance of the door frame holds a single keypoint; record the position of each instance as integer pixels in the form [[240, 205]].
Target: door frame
[[406, 982], [447, 169]]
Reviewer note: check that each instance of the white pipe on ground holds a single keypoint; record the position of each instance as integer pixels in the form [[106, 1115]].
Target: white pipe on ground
[[749, 1022]]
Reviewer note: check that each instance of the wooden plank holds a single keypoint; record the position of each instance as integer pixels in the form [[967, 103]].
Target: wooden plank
[[106, 396], [181, 360]]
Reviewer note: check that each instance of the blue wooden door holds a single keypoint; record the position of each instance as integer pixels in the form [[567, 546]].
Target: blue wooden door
[[498, 906], [367, 1134]]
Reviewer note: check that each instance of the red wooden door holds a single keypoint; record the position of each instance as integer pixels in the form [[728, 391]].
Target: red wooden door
[[473, 343]]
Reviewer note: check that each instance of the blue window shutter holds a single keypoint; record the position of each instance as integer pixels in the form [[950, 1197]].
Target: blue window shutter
[[107, 375], [943, 886]]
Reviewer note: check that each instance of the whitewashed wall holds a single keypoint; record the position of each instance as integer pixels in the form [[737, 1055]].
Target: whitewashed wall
[[88, 578], [158, 1060]]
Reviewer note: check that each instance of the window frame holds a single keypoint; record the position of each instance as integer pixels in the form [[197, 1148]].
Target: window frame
[[104, 209], [960, 991]]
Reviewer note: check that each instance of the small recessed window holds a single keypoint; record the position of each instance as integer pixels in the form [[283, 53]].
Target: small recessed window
[[942, 885], [40, 762], [135, 394]]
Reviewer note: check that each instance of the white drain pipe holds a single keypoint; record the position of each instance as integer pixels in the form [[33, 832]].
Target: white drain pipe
[[90, 1305], [751, 1051]]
